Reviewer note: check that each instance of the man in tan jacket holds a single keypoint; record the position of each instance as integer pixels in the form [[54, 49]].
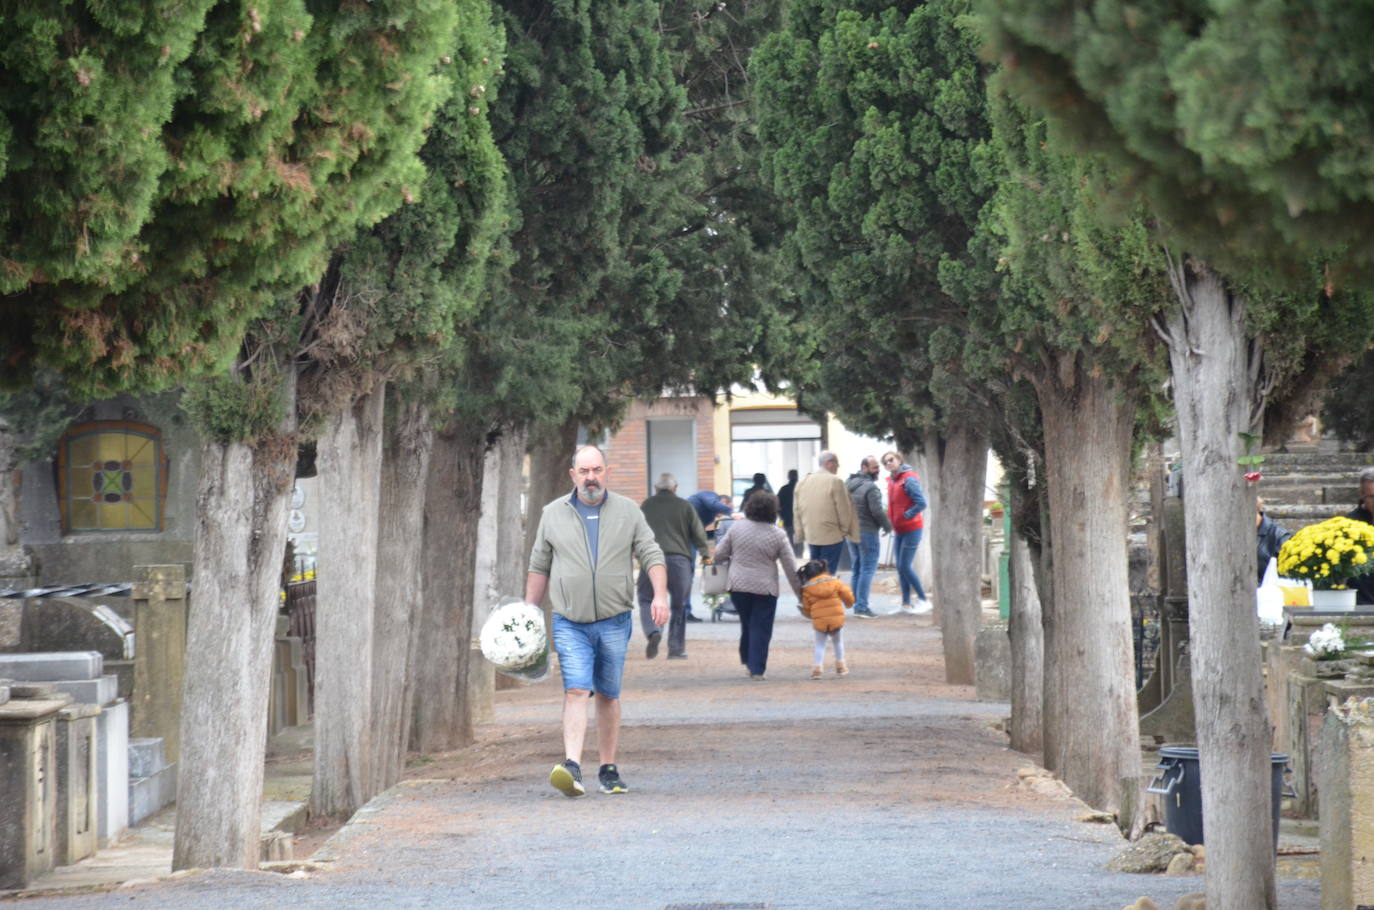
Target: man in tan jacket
[[824, 512]]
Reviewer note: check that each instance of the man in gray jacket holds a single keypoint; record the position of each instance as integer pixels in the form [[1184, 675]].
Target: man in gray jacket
[[868, 505], [583, 558], [678, 530]]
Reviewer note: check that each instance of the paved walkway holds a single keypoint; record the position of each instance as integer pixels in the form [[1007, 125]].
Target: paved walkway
[[886, 789]]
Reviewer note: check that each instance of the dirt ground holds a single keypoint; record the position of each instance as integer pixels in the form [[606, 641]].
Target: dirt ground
[[894, 659]]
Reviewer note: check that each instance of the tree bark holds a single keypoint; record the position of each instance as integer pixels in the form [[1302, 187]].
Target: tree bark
[[924, 562], [16, 567], [501, 565], [512, 560], [1027, 651], [1209, 354], [453, 500], [551, 451], [396, 627], [1088, 421], [349, 455], [242, 506], [956, 538]]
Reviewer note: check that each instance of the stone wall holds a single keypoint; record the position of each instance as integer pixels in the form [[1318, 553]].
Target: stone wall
[[109, 556]]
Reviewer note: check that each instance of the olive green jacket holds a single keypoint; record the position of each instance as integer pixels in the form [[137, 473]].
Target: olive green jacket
[[578, 590]]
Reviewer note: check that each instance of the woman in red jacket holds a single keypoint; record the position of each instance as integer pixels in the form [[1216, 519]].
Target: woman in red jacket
[[905, 503]]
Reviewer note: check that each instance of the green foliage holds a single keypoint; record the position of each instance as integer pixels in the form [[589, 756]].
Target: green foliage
[[38, 414], [1245, 125], [408, 287], [242, 405], [1348, 407], [590, 114], [726, 225], [873, 121], [170, 171], [1084, 279]]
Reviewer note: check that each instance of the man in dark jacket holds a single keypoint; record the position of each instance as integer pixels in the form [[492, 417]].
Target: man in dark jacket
[[868, 505], [1364, 584], [785, 508], [677, 529], [1269, 537]]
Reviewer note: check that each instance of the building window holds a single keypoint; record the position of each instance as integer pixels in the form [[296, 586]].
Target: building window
[[111, 476]]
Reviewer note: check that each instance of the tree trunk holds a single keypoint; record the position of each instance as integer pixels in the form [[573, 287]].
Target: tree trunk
[[349, 455], [396, 628], [924, 562], [1043, 568], [241, 511], [551, 451], [1209, 355], [453, 501], [1027, 651], [956, 537], [512, 559], [16, 568], [501, 564], [1087, 422]]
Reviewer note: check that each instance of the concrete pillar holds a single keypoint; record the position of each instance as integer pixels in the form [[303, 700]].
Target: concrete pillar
[[77, 783], [28, 788], [1346, 788], [159, 598]]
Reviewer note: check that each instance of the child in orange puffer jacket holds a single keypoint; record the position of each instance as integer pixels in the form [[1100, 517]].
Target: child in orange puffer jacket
[[824, 598]]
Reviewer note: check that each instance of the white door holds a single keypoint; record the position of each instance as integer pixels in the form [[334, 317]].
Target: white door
[[672, 445]]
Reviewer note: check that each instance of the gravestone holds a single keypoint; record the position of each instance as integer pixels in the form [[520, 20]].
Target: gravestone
[[1346, 786], [111, 724], [81, 624], [28, 787], [159, 603], [77, 810]]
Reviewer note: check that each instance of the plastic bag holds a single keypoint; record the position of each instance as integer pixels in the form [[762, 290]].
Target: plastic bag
[[516, 641], [1269, 596]]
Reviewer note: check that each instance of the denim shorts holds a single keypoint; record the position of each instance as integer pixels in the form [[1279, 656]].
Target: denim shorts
[[591, 655]]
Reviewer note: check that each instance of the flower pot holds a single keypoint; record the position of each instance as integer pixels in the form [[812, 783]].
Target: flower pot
[[1339, 599]]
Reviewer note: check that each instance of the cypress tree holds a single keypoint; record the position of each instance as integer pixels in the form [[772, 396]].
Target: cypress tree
[[1241, 129], [875, 137]]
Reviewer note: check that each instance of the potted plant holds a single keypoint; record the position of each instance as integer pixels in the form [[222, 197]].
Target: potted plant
[[1329, 554]]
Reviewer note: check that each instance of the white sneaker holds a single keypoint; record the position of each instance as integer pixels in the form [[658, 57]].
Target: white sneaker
[[922, 607], [908, 609]]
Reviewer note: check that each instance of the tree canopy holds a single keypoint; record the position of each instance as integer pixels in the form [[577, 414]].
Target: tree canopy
[[1244, 125], [168, 172], [876, 139]]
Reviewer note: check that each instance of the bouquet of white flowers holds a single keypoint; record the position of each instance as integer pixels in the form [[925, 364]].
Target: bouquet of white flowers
[[514, 638], [1326, 643]]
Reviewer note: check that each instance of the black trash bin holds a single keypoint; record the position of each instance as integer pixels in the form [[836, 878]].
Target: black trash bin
[[1180, 783]]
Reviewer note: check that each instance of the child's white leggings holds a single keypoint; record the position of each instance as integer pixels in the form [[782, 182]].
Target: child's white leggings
[[837, 637]]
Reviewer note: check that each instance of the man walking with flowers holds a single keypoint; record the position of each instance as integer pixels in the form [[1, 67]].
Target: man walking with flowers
[[583, 558]]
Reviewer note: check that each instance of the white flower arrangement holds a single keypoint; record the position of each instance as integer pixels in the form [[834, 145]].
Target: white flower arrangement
[[1326, 643], [515, 640]]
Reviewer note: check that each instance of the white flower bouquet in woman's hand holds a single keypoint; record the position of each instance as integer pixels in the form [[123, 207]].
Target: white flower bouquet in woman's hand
[[515, 639]]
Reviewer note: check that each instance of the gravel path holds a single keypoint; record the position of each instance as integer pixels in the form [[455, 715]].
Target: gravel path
[[886, 789]]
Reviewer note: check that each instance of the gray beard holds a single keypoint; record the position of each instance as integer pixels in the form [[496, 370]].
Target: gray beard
[[591, 497]]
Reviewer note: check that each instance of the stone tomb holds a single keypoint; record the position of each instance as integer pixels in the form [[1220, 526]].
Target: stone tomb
[[28, 785], [78, 798], [1346, 782], [111, 726]]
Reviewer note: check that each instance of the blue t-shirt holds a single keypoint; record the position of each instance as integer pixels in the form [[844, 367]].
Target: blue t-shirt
[[591, 521]]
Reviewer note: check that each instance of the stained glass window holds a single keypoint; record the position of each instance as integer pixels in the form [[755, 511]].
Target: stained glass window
[[112, 476]]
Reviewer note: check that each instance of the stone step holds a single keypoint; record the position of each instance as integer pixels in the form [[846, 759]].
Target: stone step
[[146, 756], [49, 665], [1325, 462], [99, 691], [147, 795]]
